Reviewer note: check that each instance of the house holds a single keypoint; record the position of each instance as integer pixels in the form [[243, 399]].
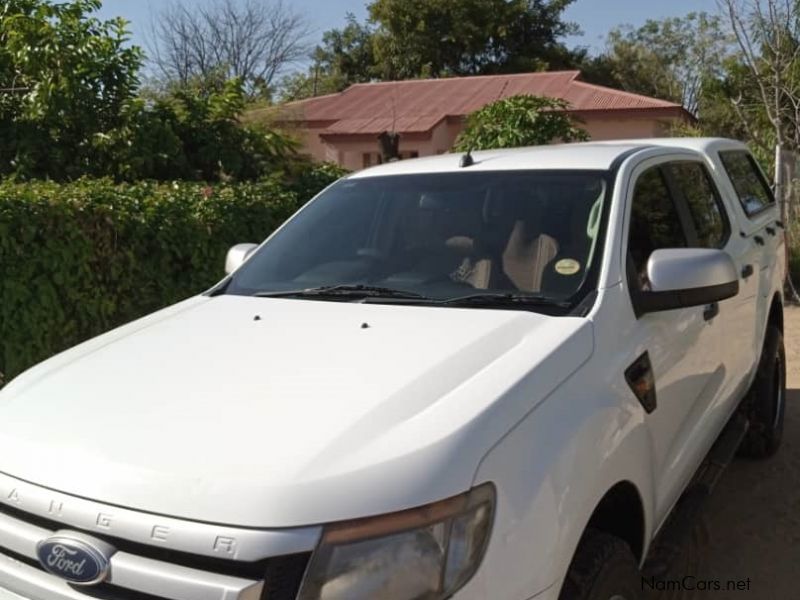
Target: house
[[429, 113]]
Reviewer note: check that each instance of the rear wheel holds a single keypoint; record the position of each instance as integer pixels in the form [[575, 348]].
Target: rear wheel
[[604, 568], [766, 402]]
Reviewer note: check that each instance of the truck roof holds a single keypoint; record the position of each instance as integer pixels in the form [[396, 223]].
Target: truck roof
[[583, 155]]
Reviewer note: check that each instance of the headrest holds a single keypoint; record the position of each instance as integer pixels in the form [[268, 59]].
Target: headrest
[[432, 201], [461, 244]]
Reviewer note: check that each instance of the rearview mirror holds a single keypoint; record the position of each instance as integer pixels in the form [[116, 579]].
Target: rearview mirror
[[684, 277], [237, 255]]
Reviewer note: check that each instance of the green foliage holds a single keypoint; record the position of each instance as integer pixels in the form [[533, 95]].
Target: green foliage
[[70, 106], [669, 59], [66, 79], [794, 262], [193, 132], [407, 39], [306, 181], [301, 85], [78, 259], [793, 242], [519, 121], [436, 38], [346, 56]]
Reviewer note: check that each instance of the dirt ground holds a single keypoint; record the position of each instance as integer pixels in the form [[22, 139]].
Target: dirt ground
[[748, 544]]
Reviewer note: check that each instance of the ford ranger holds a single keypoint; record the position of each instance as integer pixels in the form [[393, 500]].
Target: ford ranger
[[504, 375]]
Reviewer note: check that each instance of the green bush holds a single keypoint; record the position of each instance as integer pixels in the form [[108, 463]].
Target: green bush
[[78, 259], [794, 264], [518, 121], [71, 106]]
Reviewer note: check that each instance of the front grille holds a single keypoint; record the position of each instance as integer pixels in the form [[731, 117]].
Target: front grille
[[284, 576], [113, 592], [281, 576], [252, 570], [105, 591]]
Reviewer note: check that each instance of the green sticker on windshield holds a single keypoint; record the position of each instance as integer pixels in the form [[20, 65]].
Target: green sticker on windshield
[[567, 266]]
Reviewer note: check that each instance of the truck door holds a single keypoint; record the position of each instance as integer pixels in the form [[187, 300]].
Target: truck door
[[762, 242], [709, 225], [681, 344]]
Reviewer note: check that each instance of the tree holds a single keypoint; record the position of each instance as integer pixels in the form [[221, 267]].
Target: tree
[[247, 40], [439, 38], [669, 59], [407, 39], [66, 79], [768, 35], [724, 100], [768, 105], [71, 106], [345, 57], [519, 121], [193, 132]]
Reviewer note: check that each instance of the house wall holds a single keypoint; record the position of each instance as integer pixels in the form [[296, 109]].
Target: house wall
[[350, 153], [313, 145], [620, 129]]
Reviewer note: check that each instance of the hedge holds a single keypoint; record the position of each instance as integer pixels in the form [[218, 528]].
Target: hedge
[[793, 239], [78, 259]]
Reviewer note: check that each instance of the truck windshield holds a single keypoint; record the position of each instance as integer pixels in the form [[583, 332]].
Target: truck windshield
[[437, 237]]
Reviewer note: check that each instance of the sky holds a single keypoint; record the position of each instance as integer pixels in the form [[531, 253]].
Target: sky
[[594, 17]]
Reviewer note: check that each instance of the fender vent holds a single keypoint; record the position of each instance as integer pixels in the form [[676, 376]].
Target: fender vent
[[642, 382]]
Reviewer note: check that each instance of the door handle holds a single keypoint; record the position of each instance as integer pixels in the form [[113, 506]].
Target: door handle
[[747, 270], [711, 311], [758, 240]]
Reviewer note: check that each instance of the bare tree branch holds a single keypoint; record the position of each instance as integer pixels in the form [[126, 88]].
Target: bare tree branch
[[250, 39]]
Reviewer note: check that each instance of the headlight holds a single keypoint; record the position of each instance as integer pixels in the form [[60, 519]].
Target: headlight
[[423, 553]]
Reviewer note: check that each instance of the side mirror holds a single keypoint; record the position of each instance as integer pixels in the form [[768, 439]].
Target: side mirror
[[684, 277], [237, 255]]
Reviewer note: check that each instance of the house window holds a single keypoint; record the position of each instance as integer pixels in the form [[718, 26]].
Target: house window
[[366, 159]]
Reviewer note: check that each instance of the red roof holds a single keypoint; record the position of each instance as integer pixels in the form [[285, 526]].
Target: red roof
[[417, 105]]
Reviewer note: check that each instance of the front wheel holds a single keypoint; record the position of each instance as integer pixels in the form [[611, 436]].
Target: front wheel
[[603, 568], [766, 401]]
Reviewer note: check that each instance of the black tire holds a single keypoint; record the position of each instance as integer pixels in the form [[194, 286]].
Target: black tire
[[766, 400], [604, 568]]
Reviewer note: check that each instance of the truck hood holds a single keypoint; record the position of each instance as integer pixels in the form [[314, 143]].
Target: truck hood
[[276, 412]]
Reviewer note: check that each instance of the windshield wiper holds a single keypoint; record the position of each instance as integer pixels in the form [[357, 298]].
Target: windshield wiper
[[504, 299], [353, 291], [378, 293]]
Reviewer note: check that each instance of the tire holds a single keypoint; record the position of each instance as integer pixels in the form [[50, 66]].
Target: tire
[[604, 568], [766, 400]]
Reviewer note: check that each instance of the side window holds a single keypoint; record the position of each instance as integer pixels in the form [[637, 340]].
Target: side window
[[751, 187], [654, 223], [695, 184]]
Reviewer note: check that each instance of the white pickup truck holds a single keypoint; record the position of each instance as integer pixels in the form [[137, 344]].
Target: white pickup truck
[[508, 375]]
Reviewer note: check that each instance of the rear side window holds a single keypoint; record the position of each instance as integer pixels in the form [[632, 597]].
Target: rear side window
[[694, 183], [654, 224], [751, 187]]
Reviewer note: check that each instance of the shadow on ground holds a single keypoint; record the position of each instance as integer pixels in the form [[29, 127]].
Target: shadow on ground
[[750, 529]]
